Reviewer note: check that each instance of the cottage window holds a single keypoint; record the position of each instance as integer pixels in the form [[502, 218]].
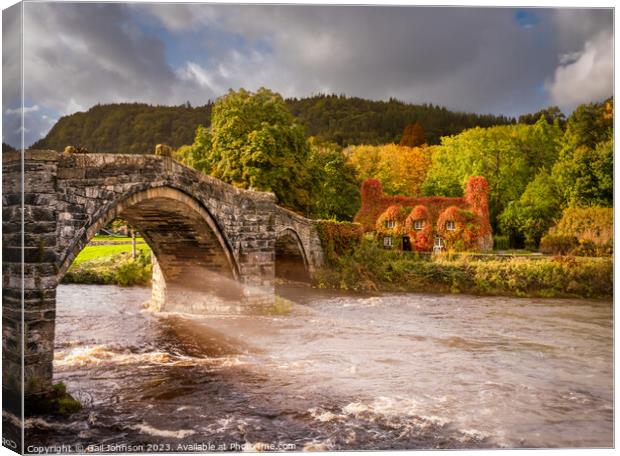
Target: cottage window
[[450, 225], [390, 223], [387, 241], [418, 225]]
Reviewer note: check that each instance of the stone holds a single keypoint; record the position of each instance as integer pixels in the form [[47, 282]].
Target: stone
[[195, 225]]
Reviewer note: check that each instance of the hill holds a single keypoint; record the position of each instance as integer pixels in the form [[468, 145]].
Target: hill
[[137, 127]]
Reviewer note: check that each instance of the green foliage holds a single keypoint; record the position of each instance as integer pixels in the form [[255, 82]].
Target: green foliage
[[130, 128], [585, 175], [551, 114], [370, 268], [501, 242], [507, 156], [584, 170], [138, 127], [58, 402], [534, 213], [351, 121], [254, 142], [106, 265], [134, 271], [335, 191]]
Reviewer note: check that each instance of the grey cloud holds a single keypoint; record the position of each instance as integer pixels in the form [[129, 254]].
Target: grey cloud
[[81, 54], [476, 59]]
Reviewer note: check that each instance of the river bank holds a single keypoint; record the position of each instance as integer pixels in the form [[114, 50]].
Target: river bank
[[369, 268]]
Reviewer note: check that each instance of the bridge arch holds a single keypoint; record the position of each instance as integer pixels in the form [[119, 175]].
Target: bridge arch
[[291, 259], [177, 228]]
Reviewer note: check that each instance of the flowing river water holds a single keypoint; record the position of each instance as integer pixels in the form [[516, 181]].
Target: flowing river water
[[393, 371]]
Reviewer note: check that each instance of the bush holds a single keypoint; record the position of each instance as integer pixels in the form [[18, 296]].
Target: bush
[[592, 227], [338, 238], [558, 244]]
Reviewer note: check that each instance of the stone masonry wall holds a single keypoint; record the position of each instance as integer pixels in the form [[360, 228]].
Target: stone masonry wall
[[192, 222]]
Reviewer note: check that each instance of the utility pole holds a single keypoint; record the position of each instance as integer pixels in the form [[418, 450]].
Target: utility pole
[[133, 244]]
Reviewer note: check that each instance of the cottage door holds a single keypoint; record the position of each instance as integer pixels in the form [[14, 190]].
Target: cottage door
[[438, 247], [406, 243]]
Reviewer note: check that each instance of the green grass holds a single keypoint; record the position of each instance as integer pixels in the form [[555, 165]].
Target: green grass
[[108, 238], [92, 252]]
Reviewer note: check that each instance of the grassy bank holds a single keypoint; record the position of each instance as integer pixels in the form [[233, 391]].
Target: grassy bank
[[111, 264], [371, 268]]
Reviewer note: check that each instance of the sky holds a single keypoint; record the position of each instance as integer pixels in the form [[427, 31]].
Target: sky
[[484, 60]]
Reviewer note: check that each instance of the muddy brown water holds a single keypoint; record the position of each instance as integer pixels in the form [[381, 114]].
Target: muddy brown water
[[393, 371]]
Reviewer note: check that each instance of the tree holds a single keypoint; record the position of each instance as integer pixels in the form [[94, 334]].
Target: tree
[[534, 213], [335, 193], [400, 169], [413, 135], [507, 156], [551, 115], [254, 142], [584, 170], [585, 176]]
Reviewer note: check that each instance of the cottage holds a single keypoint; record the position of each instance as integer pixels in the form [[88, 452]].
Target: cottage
[[428, 223]]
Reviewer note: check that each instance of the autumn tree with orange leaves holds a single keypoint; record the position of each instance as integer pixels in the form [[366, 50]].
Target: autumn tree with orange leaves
[[401, 169], [413, 135]]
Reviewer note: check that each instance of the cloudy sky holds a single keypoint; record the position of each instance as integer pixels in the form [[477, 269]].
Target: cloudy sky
[[501, 60]]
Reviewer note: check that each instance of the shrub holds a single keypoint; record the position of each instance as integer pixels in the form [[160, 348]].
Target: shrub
[[591, 226], [558, 244], [338, 238]]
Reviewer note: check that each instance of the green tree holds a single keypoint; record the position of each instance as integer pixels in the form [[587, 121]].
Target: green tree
[[336, 189], [507, 156], [584, 170], [254, 142], [534, 213], [551, 115], [585, 176]]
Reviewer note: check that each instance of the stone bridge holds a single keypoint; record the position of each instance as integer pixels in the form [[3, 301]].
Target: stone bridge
[[206, 237]]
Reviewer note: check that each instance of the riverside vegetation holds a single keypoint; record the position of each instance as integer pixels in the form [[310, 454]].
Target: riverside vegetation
[[370, 268], [111, 265]]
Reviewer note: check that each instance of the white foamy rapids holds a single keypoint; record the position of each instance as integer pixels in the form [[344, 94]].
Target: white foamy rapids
[[13, 419], [324, 416], [104, 355], [40, 423], [394, 412], [144, 428]]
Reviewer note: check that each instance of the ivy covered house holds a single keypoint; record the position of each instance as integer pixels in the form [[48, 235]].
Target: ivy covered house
[[428, 223]]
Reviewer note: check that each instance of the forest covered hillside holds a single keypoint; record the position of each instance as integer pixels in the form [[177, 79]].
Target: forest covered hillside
[[137, 127]]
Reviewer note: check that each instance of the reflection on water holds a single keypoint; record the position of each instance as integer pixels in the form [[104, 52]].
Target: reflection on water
[[339, 372]]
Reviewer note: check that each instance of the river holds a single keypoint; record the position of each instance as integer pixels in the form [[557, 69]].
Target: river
[[393, 371]]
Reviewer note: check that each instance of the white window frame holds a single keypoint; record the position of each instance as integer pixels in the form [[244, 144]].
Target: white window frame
[[418, 225], [390, 223], [387, 241], [450, 225]]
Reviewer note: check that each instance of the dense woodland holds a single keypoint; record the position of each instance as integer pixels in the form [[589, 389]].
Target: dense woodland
[[137, 128]]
